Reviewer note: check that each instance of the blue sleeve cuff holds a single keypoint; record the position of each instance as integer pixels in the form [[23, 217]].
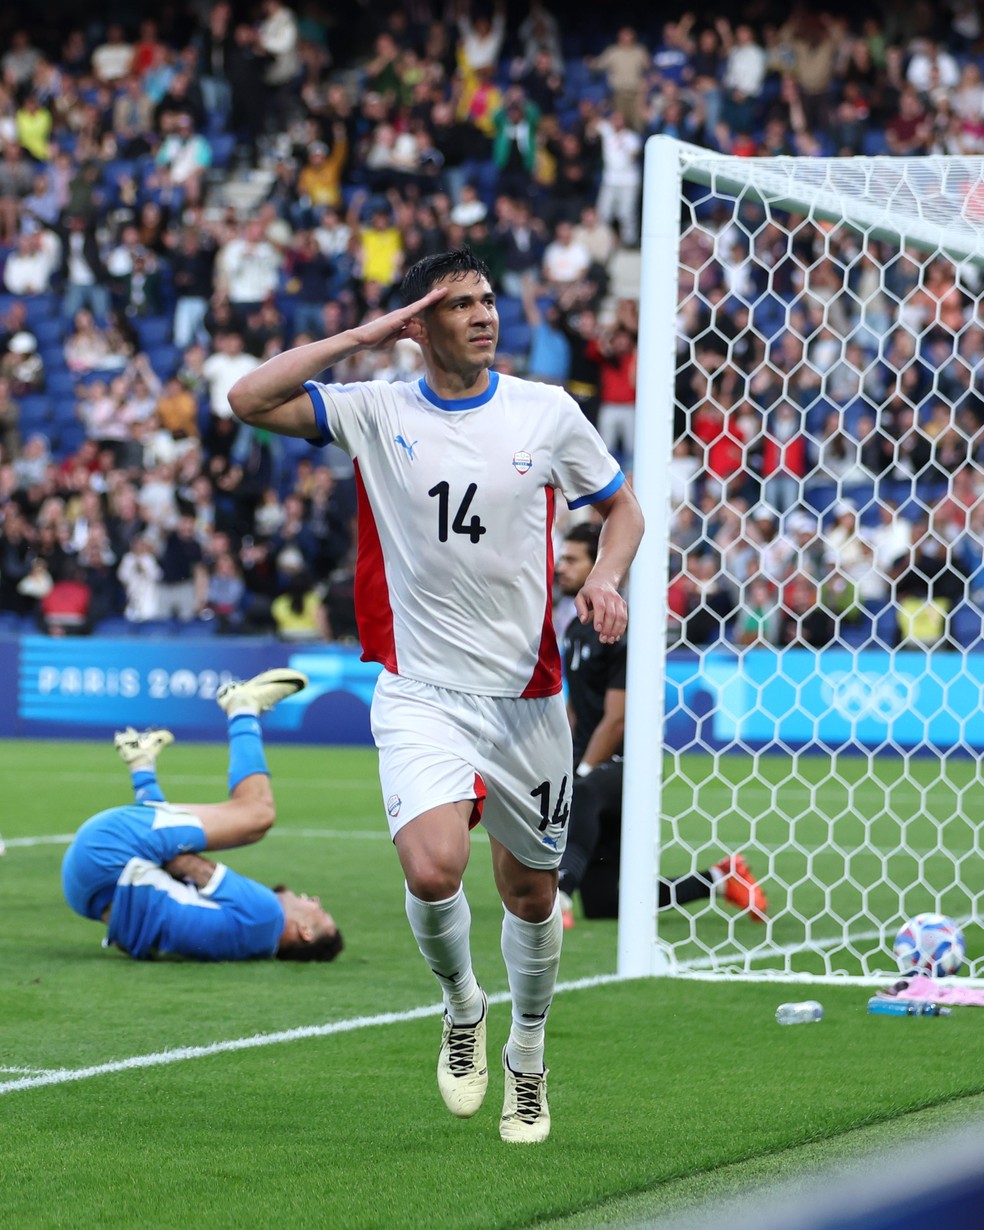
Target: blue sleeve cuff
[[603, 494], [324, 435]]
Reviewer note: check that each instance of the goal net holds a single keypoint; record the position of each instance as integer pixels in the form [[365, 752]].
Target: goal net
[[805, 635]]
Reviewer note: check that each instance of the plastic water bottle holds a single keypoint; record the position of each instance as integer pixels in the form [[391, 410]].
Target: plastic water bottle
[[906, 1007], [799, 1014]]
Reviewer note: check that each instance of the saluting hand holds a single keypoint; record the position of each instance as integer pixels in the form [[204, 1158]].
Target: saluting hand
[[385, 330]]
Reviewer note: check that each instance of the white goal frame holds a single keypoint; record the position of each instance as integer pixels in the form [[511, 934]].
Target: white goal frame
[[807, 185]]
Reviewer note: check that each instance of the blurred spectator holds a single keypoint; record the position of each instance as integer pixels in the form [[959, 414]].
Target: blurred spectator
[[614, 350], [225, 593], [549, 357], [276, 43], [247, 266], [299, 613], [223, 368], [330, 518], [621, 177], [192, 262], [182, 159], [521, 238], [9, 423], [514, 146], [16, 182], [112, 60], [929, 585], [65, 610], [184, 577], [140, 575], [29, 268], [34, 128], [908, 132], [625, 63], [21, 366], [319, 181], [480, 38], [565, 260], [539, 35], [133, 119], [20, 61], [803, 621], [757, 620], [16, 560]]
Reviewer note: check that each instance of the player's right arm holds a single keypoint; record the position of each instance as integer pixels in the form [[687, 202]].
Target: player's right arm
[[191, 868], [272, 396]]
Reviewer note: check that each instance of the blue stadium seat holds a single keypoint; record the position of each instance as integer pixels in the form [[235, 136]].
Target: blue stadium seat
[[515, 338], [49, 330], [223, 146], [35, 411], [510, 309], [69, 438], [61, 384], [40, 307], [164, 359], [153, 330]]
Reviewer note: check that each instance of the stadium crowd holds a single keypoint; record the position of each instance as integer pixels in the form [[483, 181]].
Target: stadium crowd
[[186, 196]]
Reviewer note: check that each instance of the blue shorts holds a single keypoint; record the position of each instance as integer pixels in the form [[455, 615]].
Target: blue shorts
[[105, 844]]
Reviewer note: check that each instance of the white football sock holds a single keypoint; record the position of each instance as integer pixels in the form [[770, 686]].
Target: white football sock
[[442, 930], [532, 955]]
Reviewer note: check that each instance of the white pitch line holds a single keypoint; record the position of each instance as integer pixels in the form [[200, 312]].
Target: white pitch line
[[63, 1076]]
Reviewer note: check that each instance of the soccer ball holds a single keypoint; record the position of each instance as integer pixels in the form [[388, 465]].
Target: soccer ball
[[930, 944]]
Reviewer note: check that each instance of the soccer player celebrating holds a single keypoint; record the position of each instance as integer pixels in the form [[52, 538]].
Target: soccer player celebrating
[[457, 474], [140, 869]]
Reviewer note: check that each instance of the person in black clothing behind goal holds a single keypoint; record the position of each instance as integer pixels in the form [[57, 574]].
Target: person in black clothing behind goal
[[595, 675]]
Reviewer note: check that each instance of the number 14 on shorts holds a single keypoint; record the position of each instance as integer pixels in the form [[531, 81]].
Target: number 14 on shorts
[[557, 818]]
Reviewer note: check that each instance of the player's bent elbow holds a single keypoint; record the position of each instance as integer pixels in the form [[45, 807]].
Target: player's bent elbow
[[243, 406]]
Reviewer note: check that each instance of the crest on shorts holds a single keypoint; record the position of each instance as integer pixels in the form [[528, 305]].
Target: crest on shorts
[[393, 805], [522, 461]]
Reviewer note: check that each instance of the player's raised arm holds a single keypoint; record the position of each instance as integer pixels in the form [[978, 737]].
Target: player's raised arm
[[272, 395]]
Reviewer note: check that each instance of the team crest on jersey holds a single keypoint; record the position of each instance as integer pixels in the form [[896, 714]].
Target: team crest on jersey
[[393, 805], [522, 461]]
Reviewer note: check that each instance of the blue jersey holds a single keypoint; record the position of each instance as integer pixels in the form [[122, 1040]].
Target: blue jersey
[[231, 919], [116, 860]]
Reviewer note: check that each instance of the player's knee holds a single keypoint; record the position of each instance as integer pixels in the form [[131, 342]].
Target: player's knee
[[534, 905], [263, 815], [432, 882]]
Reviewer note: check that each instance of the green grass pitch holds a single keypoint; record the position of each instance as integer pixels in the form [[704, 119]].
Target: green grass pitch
[[171, 1094]]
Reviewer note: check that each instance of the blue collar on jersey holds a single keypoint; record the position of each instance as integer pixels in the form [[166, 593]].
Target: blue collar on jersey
[[459, 403]]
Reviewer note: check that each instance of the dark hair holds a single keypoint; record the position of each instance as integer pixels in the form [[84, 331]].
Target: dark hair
[[456, 264], [324, 948], [588, 533]]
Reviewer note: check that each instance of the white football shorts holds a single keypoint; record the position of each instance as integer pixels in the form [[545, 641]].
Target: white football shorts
[[512, 756]]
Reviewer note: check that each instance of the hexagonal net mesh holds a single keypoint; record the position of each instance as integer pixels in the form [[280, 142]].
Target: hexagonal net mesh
[[824, 661]]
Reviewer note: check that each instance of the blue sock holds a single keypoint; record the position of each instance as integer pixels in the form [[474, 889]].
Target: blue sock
[[145, 786], [245, 749]]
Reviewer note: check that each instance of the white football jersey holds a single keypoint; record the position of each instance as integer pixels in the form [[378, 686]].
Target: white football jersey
[[456, 505]]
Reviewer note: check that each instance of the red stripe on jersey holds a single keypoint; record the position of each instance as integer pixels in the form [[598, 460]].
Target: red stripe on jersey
[[479, 805], [373, 613], [545, 680]]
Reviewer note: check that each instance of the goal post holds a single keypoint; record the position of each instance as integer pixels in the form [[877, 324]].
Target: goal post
[[805, 307]]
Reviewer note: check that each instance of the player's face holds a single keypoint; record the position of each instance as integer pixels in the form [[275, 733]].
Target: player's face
[[461, 331], [572, 568], [308, 913]]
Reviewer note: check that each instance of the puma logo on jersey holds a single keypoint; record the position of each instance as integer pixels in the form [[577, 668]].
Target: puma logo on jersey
[[403, 444], [522, 461]]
